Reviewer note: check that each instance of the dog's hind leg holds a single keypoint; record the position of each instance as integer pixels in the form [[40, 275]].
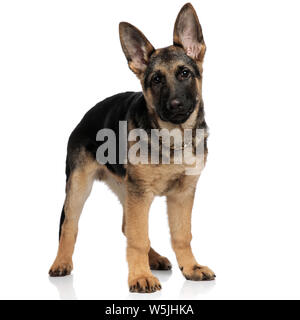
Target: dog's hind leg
[[79, 185], [156, 261]]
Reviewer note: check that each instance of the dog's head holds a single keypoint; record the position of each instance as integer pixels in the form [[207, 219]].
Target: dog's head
[[171, 77]]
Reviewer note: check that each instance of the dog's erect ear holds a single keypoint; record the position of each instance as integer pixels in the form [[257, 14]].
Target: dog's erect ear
[[136, 47], [188, 33]]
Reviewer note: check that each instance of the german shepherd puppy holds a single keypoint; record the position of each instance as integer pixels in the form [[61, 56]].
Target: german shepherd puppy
[[171, 79]]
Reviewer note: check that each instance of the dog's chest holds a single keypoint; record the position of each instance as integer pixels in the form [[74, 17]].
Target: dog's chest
[[164, 179]]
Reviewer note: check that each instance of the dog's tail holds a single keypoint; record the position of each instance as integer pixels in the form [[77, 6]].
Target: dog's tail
[[62, 216]]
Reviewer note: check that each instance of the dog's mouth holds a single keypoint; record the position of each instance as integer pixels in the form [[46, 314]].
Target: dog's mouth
[[178, 117]]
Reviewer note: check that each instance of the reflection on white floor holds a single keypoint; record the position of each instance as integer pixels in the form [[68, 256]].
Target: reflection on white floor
[[189, 290], [194, 289], [65, 287]]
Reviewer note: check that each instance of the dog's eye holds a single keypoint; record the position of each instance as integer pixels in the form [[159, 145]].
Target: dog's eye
[[185, 73], [156, 79]]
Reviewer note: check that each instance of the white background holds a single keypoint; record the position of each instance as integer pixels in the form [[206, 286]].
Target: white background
[[59, 58]]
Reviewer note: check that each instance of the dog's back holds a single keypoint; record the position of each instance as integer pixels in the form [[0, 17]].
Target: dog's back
[[104, 115]]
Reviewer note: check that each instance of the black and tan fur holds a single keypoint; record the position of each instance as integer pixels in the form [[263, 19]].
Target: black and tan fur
[[171, 79]]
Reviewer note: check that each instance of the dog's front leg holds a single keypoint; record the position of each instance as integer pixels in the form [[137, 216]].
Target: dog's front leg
[[140, 278], [179, 213]]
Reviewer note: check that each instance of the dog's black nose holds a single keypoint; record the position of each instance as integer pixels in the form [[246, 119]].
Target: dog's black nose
[[175, 104]]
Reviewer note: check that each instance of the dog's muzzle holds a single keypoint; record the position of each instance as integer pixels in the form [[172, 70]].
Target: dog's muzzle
[[177, 112]]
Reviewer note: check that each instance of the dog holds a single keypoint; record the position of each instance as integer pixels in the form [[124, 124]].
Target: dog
[[171, 98]]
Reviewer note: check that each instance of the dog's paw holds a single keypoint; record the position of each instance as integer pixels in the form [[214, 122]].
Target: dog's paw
[[61, 269], [160, 263], [197, 273], [144, 284]]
